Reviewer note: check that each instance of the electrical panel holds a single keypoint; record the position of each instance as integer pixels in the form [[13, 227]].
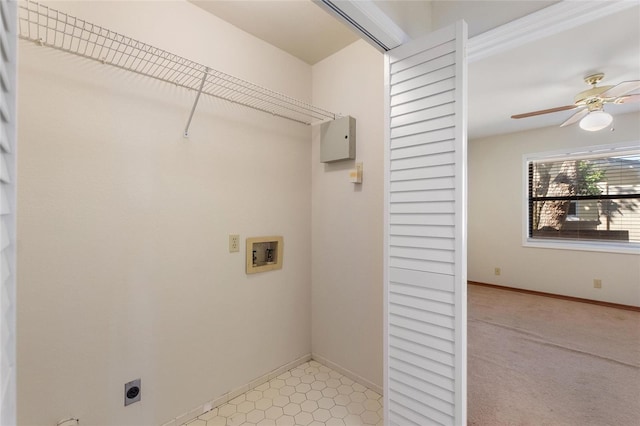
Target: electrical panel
[[338, 140]]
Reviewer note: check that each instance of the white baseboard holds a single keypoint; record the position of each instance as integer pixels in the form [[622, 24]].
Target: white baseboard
[[350, 374], [223, 399]]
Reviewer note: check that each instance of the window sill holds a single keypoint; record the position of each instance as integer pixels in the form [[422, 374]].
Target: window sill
[[609, 247]]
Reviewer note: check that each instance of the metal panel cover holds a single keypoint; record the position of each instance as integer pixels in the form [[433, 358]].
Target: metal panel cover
[[338, 140]]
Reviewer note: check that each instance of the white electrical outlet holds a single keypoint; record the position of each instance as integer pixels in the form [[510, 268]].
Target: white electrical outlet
[[234, 243], [497, 271], [597, 283]]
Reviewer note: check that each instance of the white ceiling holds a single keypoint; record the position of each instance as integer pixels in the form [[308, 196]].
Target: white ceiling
[[549, 72], [295, 26], [542, 74], [306, 31]]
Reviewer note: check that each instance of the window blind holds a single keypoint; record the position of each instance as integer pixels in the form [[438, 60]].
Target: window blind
[[591, 198]]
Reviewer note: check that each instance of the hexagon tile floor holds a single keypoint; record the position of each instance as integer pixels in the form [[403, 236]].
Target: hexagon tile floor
[[308, 395]]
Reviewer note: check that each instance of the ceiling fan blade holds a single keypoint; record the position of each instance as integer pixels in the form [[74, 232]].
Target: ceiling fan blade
[[575, 117], [544, 111], [621, 89], [627, 99]]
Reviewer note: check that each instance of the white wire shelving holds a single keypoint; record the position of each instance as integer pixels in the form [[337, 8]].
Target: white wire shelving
[[52, 28]]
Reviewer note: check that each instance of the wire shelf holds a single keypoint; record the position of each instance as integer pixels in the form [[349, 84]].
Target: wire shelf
[[49, 27]]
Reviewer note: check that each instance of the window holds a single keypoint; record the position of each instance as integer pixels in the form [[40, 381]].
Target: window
[[586, 200]]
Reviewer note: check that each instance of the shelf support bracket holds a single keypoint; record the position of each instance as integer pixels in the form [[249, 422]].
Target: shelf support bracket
[[195, 102]]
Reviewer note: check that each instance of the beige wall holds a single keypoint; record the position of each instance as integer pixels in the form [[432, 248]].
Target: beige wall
[[495, 220], [347, 219], [123, 225]]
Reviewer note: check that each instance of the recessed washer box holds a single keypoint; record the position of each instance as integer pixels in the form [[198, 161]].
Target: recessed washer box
[[264, 254], [338, 140]]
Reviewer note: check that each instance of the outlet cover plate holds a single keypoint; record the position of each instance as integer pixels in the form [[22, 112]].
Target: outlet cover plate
[[234, 243], [132, 391]]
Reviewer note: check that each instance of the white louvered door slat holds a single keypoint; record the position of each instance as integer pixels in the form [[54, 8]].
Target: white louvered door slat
[[8, 14], [425, 235]]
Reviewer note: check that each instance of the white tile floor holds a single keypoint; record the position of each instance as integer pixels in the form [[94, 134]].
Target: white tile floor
[[308, 395]]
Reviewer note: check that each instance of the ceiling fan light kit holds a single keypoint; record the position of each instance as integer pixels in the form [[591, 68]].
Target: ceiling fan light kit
[[590, 103], [596, 120]]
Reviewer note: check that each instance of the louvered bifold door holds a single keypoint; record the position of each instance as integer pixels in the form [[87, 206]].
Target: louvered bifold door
[[7, 213], [425, 227]]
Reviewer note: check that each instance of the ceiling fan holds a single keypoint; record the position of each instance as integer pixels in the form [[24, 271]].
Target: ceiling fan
[[590, 103]]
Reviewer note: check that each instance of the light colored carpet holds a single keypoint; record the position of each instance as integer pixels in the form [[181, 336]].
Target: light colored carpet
[[534, 360]]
